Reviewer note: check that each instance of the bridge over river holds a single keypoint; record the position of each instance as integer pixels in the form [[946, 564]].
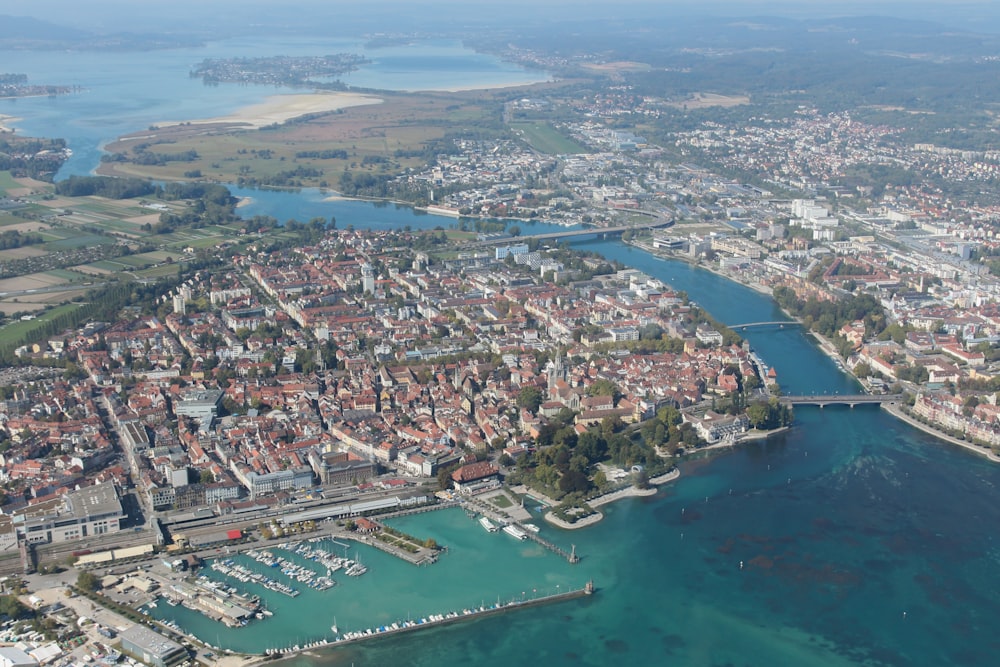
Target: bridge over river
[[776, 323], [569, 233], [842, 399]]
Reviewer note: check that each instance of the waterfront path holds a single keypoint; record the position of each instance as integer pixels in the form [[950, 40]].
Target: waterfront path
[[626, 492], [897, 412]]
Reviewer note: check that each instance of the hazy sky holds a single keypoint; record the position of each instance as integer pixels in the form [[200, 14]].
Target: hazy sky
[[115, 15]]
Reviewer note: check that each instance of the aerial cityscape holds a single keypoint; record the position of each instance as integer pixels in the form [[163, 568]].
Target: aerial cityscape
[[481, 334]]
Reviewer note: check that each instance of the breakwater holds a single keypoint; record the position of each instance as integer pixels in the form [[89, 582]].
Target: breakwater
[[435, 620]]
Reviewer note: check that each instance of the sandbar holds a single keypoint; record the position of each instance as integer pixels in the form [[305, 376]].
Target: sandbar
[[277, 109], [7, 119]]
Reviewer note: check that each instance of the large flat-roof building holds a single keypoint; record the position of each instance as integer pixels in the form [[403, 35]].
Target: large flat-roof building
[[11, 656], [151, 647], [87, 512]]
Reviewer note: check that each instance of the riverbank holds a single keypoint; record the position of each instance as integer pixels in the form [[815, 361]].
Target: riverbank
[[750, 436], [661, 254], [897, 412]]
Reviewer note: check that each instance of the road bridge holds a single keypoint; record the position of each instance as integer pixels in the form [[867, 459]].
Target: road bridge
[[749, 325], [842, 399], [569, 233]]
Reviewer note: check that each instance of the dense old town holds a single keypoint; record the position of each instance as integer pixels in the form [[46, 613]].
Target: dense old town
[[334, 364]]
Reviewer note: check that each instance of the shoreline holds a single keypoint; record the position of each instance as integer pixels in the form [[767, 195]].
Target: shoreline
[[660, 254], [280, 108], [750, 436], [4, 120], [896, 412], [473, 87], [830, 351], [628, 492]]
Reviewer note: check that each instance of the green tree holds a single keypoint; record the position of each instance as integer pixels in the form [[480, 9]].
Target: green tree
[[604, 387], [12, 607], [88, 581], [574, 481], [529, 398], [757, 414]]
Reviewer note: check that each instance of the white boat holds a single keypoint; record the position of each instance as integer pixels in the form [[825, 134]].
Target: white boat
[[334, 626], [532, 527], [514, 531], [487, 524]]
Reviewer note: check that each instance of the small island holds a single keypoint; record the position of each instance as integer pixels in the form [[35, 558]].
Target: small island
[[16, 85], [294, 71]]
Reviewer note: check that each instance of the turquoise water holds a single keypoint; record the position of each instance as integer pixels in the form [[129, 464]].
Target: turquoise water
[[479, 569], [862, 541], [841, 527]]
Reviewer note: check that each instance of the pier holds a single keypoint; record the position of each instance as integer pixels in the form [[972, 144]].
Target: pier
[[497, 515], [535, 537], [436, 620]]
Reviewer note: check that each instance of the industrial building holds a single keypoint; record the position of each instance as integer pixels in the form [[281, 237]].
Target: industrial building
[[151, 647]]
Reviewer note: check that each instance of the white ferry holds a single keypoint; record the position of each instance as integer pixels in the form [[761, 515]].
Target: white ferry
[[514, 531], [488, 525]]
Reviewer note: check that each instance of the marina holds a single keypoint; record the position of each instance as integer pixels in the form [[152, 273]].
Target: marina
[[326, 575]]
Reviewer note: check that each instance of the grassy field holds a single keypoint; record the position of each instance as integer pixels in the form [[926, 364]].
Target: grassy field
[[546, 139], [15, 332], [71, 241], [104, 265], [501, 501], [7, 182], [66, 274], [161, 271]]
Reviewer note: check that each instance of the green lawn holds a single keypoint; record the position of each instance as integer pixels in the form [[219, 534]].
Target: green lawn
[[7, 182], [160, 271], [501, 501], [19, 331], [546, 139]]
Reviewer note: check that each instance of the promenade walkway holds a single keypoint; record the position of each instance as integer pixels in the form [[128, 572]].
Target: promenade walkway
[[897, 412], [630, 491]]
